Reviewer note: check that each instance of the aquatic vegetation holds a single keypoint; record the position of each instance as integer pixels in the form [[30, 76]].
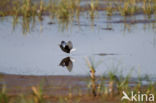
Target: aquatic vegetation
[[77, 2], [4, 98], [112, 86], [129, 8], [66, 11], [147, 8], [133, 7], [4, 5], [38, 94], [92, 10], [52, 8], [109, 9], [63, 14], [91, 65], [17, 11], [124, 11]]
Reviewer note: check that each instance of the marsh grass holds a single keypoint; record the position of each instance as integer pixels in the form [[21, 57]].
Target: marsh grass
[[129, 8], [77, 14], [109, 9], [104, 93], [38, 94], [67, 11], [147, 8], [63, 14], [52, 5], [4, 98], [92, 67], [92, 11]]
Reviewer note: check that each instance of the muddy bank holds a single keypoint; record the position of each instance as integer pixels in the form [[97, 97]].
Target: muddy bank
[[52, 85], [54, 88], [69, 88], [56, 85]]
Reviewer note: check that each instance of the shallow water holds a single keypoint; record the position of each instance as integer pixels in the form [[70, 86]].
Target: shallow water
[[38, 53]]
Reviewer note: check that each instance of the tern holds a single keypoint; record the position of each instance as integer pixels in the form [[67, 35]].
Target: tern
[[67, 46]]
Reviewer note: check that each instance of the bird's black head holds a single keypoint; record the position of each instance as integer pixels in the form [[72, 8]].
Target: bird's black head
[[63, 43]]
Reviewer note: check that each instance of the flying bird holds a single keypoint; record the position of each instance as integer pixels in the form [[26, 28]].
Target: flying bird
[[67, 46]]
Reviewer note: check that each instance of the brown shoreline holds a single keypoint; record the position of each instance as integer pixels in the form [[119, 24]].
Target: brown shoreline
[[58, 84], [54, 88], [73, 88]]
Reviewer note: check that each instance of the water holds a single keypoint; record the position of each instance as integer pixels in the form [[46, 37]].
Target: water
[[38, 53]]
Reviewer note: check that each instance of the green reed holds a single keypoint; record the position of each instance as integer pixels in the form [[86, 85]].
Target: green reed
[[92, 67], [4, 98], [109, 9], [66, 11], [129, 8], [52, 6], [147, 8], [63, 14]]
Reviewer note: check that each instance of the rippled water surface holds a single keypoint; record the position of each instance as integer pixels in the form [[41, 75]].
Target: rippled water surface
[[38, 53]]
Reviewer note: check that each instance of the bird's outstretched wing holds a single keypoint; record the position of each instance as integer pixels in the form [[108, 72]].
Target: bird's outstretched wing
[[70, 66], [70, 45]]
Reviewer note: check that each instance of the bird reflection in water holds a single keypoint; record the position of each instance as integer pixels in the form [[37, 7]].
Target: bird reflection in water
[[68, 63]]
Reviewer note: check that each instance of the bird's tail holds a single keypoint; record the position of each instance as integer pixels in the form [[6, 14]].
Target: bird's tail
[[72, 59], [74, 49]]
